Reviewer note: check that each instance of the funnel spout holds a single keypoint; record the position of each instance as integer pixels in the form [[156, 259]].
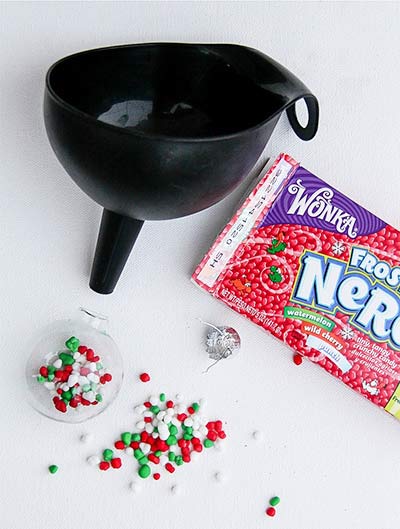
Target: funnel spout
[[116, 238]]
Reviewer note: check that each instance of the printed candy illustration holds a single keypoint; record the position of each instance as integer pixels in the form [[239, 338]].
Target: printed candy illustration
[[325, 278]]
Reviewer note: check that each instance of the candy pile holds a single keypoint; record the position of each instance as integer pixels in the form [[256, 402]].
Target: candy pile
[[74, 377], [167, 435], [271, 511]]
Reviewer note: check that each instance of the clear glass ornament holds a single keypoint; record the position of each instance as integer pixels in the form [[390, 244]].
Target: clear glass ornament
[[91, 330]]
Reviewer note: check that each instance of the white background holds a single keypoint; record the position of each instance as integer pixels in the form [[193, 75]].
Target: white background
[[331, 456]]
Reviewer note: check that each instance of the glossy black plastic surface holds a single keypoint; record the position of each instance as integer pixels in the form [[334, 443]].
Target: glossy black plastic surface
[[158, 131]]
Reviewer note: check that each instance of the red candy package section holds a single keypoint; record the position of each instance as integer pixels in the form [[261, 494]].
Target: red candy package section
[[320, 273]]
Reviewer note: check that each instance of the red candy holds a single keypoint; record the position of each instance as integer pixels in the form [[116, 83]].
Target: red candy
[[218, 426], [43, 371], [190, 410], [144, 377], [169, 404], [104, 465], [270, 511], [170, 468], [147, 419], [222, 434], [212, 435], [119, 445], [156, 476], [116, 462], [181, 417], [153, 458], [297, 359], [147, 404]]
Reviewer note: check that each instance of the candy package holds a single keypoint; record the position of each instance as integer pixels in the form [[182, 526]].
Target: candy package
[[317, 271]]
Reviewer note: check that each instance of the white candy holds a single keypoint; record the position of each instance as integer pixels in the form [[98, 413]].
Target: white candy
[[50, 385], [65, 387], [174, 489], [219, 477], [153, 400], [82, 359], [196, 423], [203, 430], [145, 448], [140, 409], [170, 411], [196, 433], [188, 422], [161, 415], [93, 460], [163, 459], [76, 355], [86, 437], [76, 366], [155, 435], [93, 367], [147, 414], [93, 378], [179, 397], [128, 450], [82, 381], [149, 428], [155, 422], [134, 486], [90, 396], [72, 380], [140, 425], [58, 363], [167, 419], [163, 431], [177, 423], [257, 435], [202, 402]]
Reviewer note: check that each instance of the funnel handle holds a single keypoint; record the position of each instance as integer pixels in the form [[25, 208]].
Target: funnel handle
[[116, 238], [309, 131]]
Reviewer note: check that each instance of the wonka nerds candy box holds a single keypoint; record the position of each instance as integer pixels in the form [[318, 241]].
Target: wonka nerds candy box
[[317, 271]]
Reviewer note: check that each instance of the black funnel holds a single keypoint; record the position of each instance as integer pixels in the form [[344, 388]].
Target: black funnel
[[159, 131]]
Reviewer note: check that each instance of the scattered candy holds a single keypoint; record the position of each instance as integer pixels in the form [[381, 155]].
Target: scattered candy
[[86, 438], [53, 469], [144, 377], [74, 378], [297, 359], [257, 435], [270, 511], [274, 501], [168, 435], [94, 461]]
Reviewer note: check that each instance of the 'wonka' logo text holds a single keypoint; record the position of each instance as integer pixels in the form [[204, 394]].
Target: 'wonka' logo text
[[319, 205]]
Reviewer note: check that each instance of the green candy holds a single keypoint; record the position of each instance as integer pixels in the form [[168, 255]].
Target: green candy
[[72, 344], [173, 430], [144, 471], [187, 436], [40, 379], [99, 366], [196, 406], [162, 397], [51, 370], [126, 438], [143, 460], [86, 388], [66, 359], [66, 395], [108, 454], [136, 437], [155, 429], [138, 453], [155, 409], [171, 456], [274, 501], [73, 391], [53, 469], [158, 453], [208, 443], [189, 429], [99, 397], [178, 461], [172, 440], [50, 377]]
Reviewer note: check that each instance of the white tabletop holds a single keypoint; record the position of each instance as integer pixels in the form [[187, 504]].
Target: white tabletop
[[330, 455]]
